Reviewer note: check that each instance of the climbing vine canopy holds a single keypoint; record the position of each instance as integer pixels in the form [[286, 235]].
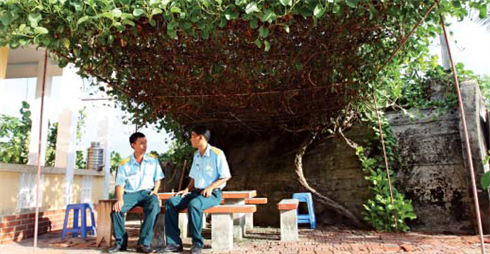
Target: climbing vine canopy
[[252, 65]]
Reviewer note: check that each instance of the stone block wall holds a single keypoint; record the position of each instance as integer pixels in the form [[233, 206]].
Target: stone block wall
[[435, 173]]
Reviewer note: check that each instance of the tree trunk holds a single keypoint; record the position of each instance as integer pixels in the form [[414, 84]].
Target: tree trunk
[[298, 161]]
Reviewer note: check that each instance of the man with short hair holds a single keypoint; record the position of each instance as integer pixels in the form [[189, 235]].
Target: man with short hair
[[137, 182], [209, 174]]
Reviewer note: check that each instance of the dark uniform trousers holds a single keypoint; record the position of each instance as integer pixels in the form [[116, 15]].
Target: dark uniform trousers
[[151, 209], [196, 204]]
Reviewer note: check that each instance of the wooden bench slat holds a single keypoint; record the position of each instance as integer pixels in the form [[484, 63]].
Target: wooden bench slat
[[288, 204]]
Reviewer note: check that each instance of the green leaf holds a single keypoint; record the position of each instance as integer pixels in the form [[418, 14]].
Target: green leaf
[[138, 12], [351, 3], [171, 33], [116, 13], [175, 9], [263, 32], [253, 23], [222, 23], [267, 46], [6, 18], [318, 11], [34, 18], [485, 180], [66, 43], [286, 2], [82, 19], [251, 8], [156, 11], [336, 8], [229, 15], [41, 30], [269, 16], [483, 12], [128, 22], [258, 43], [456, 3]]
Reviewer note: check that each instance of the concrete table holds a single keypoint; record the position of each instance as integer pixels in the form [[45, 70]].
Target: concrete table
[[240, 219]]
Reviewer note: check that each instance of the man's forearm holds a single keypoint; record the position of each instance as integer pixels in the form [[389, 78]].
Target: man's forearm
[[119, 192], [157, 186], [218, 183]]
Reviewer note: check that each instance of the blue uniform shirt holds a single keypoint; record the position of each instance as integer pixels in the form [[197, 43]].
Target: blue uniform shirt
[[209, 168], [136, 177]]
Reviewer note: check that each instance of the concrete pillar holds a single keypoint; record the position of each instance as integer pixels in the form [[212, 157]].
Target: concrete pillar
[[67, 127], [238, 219], [103, 135], [222, 232], [158, 240], [184, 225], [249, 221], [446, 64], [289, 225], [203, 220], [3, 62], [36, 115], [3, 69], [476, 120]]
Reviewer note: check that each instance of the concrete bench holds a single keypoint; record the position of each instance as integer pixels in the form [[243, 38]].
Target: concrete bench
[[289, 219], [248, 222], [222, 226], [249, 217], [221, 229]]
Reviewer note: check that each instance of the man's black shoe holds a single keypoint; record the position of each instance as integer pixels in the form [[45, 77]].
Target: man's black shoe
[[144, 249], [117, 248], [196, 250], [173, 248]]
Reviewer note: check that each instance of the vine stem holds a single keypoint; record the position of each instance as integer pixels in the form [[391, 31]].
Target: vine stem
[[298, 161]]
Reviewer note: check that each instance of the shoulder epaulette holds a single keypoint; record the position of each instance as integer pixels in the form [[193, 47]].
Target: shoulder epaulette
[[124, 161], [216, 150]]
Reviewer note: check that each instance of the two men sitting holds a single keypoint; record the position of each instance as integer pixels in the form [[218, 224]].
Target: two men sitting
[[137, 183]]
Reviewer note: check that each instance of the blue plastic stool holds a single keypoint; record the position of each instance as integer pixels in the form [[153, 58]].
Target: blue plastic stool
[[82, 229], [308, 218]]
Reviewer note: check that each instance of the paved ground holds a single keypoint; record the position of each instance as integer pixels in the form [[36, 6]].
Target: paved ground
[[266, 240]]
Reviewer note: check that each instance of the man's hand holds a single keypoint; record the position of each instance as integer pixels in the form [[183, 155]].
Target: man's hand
[[207, 192], [154, 192], [118, 206], [182, 192]]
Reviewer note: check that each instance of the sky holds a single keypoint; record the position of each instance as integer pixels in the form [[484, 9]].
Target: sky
[[470, 44]]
